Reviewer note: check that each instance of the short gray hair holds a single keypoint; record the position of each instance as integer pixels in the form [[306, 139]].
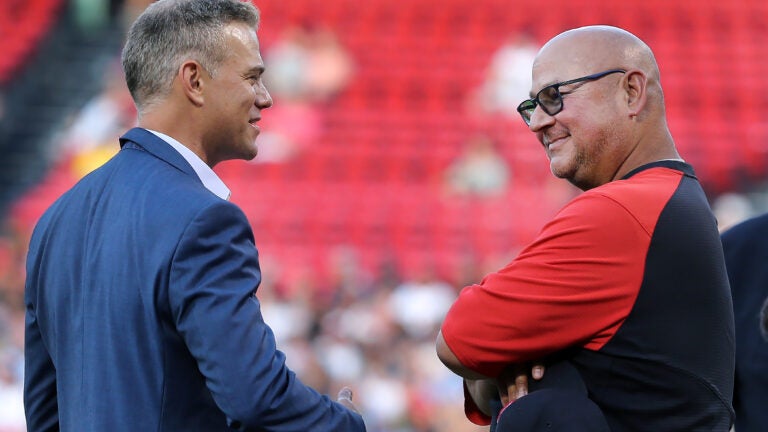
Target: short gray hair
[[170, 32]]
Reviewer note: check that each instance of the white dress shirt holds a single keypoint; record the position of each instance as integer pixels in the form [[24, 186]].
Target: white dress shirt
[[210, 180]]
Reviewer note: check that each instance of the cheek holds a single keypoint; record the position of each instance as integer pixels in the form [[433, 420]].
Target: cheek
[[250, 92], [237, 95], [593, 126]]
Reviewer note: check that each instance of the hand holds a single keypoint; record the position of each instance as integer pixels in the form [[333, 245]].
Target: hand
[[345, 398], [512, 383]]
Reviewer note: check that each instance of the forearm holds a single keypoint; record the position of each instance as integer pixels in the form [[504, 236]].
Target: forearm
[[482, 391], [450, 360], [211, 293]]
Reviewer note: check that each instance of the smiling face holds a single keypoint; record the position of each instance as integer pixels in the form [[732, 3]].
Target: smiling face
[[584, 142], [234, 98]]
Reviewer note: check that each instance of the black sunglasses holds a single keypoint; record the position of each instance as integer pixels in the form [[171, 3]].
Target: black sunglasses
[[551, 100]]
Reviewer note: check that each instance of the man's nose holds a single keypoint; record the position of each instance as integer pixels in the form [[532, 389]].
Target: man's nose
[[263, 99], [540, 119]]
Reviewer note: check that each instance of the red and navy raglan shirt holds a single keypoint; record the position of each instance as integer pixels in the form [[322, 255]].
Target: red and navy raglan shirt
[[630, 276]]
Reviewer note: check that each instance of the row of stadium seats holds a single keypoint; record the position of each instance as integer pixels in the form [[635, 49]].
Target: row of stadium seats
[[373, 176], [23, 24]]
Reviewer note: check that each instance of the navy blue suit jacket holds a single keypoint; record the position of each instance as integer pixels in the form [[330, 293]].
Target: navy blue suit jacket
[[746, 257], [142, 315]]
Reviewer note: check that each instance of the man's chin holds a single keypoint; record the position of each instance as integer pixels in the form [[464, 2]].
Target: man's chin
[[247, 155], [560, 171], [250, 151]]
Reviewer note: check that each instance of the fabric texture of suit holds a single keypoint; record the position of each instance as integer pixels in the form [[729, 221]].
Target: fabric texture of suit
[[142, 314], [746, 256]]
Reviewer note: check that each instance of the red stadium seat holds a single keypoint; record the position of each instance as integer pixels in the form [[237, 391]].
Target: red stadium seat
[[22, 26]]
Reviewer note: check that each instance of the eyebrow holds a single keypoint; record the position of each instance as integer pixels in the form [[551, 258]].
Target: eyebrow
[[533, 95], [558, 83]]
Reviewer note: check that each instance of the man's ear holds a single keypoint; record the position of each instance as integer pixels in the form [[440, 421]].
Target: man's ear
[[192, 77], [636, 88]]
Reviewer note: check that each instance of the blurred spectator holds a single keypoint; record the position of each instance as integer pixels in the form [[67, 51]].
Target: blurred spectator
[[90, 139], [288, 314], [307, 63], [11, 404], [12, 253], [344, 280], [419, 305], [330, 66], [479, 170], [287, 60], [90, 15], [730, 209], [386, 394], [11, 370], [306, 68], [289, 127], [508, 77]]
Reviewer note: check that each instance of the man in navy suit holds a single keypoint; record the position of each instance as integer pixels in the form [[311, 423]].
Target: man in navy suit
[[746, 257], [141, 280]]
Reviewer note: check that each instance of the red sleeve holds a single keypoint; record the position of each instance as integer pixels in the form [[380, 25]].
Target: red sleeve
[[573, 286]]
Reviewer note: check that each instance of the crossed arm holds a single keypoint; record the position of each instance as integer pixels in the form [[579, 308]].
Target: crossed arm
[[510, 385], [572, 287]]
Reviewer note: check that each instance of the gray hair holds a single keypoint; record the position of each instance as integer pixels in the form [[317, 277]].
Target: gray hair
[[170, 32]]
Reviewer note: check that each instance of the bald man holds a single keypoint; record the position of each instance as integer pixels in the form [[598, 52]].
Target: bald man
[[627, 283]]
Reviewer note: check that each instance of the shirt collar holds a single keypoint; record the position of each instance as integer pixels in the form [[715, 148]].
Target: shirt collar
[[675, 164], [210, 180]]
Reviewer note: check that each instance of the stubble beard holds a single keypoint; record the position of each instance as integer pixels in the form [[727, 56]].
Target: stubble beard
[[580, 172]]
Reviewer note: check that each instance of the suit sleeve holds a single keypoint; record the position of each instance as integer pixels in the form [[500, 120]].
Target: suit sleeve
[[214, 276], [40, 403], [572, 287]]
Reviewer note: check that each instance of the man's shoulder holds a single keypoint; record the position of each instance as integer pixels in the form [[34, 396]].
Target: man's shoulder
[[748, 228], [148, 187], [639, 199], [640, 190]]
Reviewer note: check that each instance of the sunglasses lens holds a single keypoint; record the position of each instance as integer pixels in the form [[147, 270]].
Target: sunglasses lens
[[526, 110], [550, 100]]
